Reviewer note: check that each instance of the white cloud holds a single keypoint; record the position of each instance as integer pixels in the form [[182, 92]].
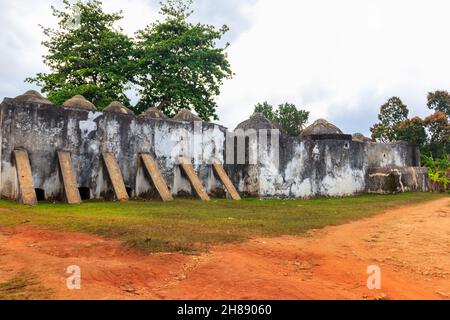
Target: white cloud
[[136, 13], [339, 58], [20, 42]]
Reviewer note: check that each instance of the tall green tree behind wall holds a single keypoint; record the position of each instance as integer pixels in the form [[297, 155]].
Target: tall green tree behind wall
[[392, 113], [287, 116], [86, 55], [179, 63], [172, 63]]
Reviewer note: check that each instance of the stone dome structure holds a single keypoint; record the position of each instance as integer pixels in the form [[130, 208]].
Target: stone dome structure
[[32, 96], [80, 102], [321, 127], [360, 137], [117, 107], [257, 121], [186, 115], [153, 113]]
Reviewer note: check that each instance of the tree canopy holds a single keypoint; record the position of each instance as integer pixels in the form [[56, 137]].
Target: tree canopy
[[173, 63], [412, 130], [86, 55], [392, 113], [287, 116], [179, 63], [266, 110], [439, 101], [438, 141]]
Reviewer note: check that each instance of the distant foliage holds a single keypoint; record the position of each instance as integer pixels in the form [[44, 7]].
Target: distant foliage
[[392, 113], [86, 55], [431, 134], [439, 101], [287, 116], [412, 130], [438, 141]]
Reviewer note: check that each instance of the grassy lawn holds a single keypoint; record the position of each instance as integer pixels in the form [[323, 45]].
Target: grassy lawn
[[190, 226]]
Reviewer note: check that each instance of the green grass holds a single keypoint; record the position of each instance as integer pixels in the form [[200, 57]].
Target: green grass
[[23, 286], [189, 226]]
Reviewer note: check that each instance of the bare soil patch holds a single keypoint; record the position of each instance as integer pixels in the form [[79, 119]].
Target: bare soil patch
[[411, 246]]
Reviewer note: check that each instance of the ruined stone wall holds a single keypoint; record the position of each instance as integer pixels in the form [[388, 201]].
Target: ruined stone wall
[[310, 168], [390, 180], [330, 167], [307, 168], [320, 165], [395, 167], [43, 130], [398, 154]]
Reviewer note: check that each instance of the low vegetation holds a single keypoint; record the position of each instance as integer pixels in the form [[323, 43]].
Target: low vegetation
[[189, 226], [439, 172], [23, 286]]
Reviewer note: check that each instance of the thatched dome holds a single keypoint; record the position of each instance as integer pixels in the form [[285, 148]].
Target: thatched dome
[[32, 96], [80, 102], [186, 115], [118, 108], [257, 121], [321, 127], [154, 113], [360, 137]]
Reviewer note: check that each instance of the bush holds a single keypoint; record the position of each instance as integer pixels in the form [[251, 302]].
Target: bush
[[439, 172]]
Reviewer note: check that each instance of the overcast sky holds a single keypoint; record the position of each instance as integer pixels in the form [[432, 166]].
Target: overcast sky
[[339, 59]]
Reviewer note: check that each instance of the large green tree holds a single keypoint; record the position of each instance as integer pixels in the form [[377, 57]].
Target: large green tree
[[86, 55], [180, 64], [287, 116]]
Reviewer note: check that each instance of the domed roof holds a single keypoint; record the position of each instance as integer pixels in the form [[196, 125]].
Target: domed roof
[[80, 102], [186, 115], [32, 96], [118, 108], [154, 113], [320, 127], [257, 121], [360, 137]]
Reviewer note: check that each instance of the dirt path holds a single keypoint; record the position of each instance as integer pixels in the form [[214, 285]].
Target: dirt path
[[411, 245]]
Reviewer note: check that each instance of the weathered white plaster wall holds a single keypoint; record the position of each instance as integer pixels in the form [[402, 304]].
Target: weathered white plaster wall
[[300, 168], [399, 154], [44, 129], [315, 168]]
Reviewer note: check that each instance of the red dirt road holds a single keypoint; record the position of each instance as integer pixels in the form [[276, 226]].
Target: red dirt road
[[411, 245]]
